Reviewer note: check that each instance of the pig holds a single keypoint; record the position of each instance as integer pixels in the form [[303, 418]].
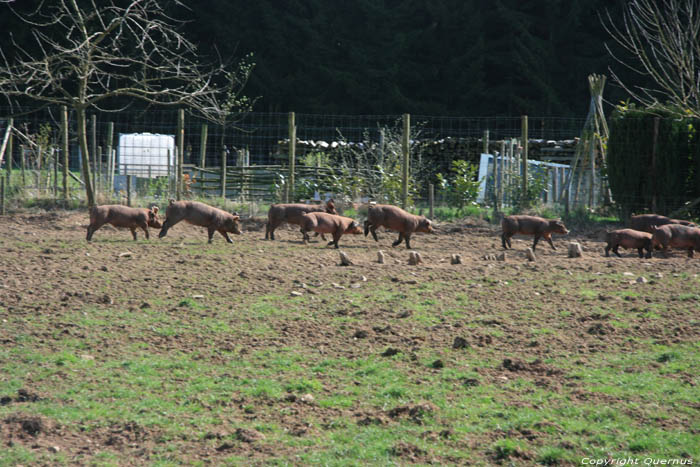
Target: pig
[[123, 216], [395, 218], [531, 225], [644, 222], [676, 236], [322, 222], [196, 213], [628, 238], [292, 214]]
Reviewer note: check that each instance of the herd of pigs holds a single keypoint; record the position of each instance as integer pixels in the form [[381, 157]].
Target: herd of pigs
[[646, 232]]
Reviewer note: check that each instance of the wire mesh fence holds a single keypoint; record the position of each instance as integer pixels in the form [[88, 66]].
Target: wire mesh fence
[[358, 157]]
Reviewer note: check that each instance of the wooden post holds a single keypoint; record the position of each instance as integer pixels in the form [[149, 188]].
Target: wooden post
[[64, 150], [111, 174], [406, 151], [93, 148], [168, 175], [180, 152], [108, 145], [555, 183], [486, 141], [224, 164], [23, 163], [128, 187], [431, 200], [2, 195], [499, 192], [203, 154], [203, 145], [524, 160], [657, 120], [55, 153], [9, 153], [292, 156], [591, 191]]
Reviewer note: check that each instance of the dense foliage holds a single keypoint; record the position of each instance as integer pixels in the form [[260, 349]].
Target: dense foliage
[[642, 173], [443, 57]]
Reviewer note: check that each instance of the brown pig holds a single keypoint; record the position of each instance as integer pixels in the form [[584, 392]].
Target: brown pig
[[196, 213], [123, 216], [675, 236], [531, 225], [395, 218], [292, 214], [628, 238], [322, 222], [644, 222]]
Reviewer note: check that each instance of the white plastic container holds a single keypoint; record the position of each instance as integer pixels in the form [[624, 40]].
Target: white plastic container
[[146, 154]]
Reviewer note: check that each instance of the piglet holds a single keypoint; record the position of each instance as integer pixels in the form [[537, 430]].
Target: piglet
[[531, 225], [196, 213], [123, 216], [675, 236], [321, 222], [644, 222], [628, 238], [395, 218], [292, 214]]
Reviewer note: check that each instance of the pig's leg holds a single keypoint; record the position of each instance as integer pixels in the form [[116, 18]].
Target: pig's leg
[[210, 232], [505, 238], [607, 251], [144, 227], [616, 251], [169, 222], [407, 236], [133, 232], [690, 252], [225, 235], [549, 240], [336, 236], [92, 228], [537, 239], [398, 242], [640, 250], [267, 231], [371, 228]]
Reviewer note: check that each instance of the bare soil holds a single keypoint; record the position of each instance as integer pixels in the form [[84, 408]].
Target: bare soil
[[48, 268]]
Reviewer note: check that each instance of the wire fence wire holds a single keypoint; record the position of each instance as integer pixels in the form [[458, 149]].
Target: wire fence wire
[[358, 155]]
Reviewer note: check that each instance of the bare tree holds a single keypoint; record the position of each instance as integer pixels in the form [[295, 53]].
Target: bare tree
[[663, 38], [88, 54]]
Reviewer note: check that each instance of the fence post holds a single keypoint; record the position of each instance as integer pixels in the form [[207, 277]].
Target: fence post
[[524, 160], [64, 147], [2, 195], [56, 153], [657, 120], [431, 200], [591, 197], [203, 154], [406, 151], [223, 172], [108, 145], [169, 185], [486, 142], [499, 191], [128, 187], [22, 166], [93, 148], [292, 156], [10, 123], [180, 152]]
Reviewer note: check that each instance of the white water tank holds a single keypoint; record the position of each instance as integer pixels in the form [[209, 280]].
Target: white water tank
[[146, 154]]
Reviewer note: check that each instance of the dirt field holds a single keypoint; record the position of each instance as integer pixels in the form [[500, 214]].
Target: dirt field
[[174, 351]]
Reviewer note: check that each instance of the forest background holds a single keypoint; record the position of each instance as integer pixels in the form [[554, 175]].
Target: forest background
[[438, 57]]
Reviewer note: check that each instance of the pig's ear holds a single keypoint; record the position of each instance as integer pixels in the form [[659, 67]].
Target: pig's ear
[[236, 217], [354, 224], [171, 201], [154, 209]]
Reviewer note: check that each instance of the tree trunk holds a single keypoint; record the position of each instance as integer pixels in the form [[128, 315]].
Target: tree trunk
[[85, 159]]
